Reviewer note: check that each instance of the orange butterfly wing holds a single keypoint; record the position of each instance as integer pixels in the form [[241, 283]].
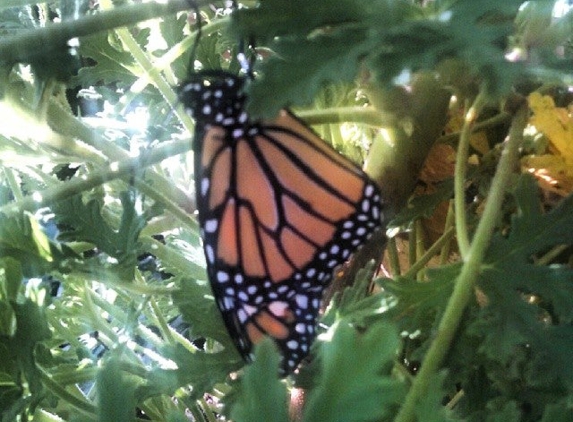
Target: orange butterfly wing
[[279, 210]]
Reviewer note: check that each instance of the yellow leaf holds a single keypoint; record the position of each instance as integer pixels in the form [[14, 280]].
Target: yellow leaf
[[478, 140], [552, 172], [555, 123]]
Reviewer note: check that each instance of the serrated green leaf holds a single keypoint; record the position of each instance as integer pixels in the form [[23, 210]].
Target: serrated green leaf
[[312, 62], [41, 240], [356, 383], [262, 396], [320, 42], [354, 300], [420, 302], [195, 302], [171, 28], [23, 240], [113, 64], [7, 319], [200, 369], [77, 221], [509, 323], [298, 18], [531, 230], [423, 206]]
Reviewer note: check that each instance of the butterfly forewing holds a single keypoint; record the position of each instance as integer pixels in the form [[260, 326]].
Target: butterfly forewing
[[278, 209]]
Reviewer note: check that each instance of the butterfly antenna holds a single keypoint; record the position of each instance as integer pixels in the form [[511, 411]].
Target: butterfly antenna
[[195, 7], [245, 62], [246, 53]]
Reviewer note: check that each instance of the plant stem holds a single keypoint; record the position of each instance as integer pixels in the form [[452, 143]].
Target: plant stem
[[78, 403], [425, 258], [24, 46], [365, 115], [393, 257], [460, 175], [469, 272], [99, 177], [445, 252], [13, 183], [496, 120]]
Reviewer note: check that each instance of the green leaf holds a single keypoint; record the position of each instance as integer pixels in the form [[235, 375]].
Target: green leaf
[[12, 278], [299, 18], [195, 302], [509, 323], [500, 411], [262, 396], [22, 239], [354, 302], [10, 285], [430, 407], [116, 399], [31, 328], [323, 42], [356, 383], [77, 221], [11, 389], [200, 369], [172, 27], [311, 62], [113, 65], [558, 412], [420, 302], [423, 206]]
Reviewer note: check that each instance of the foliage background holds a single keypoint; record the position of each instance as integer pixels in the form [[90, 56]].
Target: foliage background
[[105, 311]]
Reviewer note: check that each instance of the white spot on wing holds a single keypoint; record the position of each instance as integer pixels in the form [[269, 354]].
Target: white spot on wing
[[209, 254], [211, 225], [302, 301], [204, 186], [278, 308], [292, 344]]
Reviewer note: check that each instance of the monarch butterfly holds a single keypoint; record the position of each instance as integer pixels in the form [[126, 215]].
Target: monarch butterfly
[[279, 209]]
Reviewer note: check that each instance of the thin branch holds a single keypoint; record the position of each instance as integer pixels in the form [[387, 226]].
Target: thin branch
[[470, 270]]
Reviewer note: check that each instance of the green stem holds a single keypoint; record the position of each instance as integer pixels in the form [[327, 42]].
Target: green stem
[[13, 183], [433, 250], [172, 258], [72, 127], [445, 252], [72, 399], [412, 235], [6, 4], [161, 322], [163, 63], [368, 116], [393, 257], [551, 255], [460, 176], [470, 270], [496, 120], [420, 249], [96, 178], [76, 376], [24, 46]]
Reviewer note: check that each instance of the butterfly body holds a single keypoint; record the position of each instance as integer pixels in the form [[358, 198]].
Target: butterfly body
[[278, 211]]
